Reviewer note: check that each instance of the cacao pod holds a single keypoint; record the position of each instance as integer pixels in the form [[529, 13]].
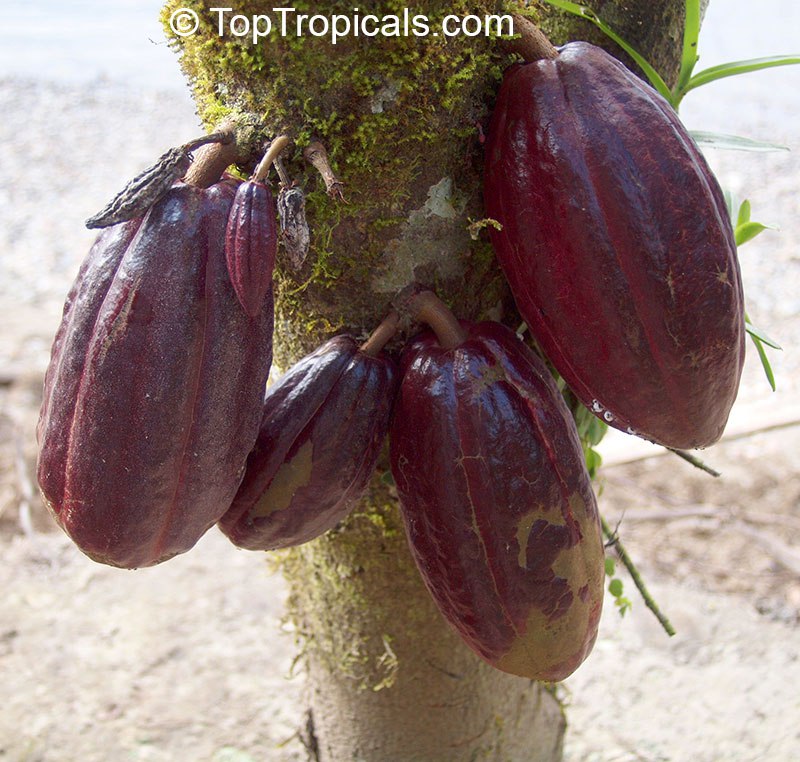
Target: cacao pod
[[153, 394], [250, 244], [617, 245], [322, 429], [497, 503]]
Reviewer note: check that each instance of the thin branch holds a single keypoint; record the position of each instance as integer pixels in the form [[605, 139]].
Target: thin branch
[[695, 461], [614, 541]]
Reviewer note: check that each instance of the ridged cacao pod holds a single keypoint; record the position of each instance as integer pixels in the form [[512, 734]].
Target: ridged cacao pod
[[322, 429], [251, 241], [617, 245], [497, 503], [153, 395]]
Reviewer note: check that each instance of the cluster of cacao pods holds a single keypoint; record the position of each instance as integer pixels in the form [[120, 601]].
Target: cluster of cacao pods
[[615, 242], [155, 425]]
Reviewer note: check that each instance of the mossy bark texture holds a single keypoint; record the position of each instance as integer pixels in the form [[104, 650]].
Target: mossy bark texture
[[401, 119]]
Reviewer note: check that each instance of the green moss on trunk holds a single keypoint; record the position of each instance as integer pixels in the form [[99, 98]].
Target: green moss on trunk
[[399, 118]]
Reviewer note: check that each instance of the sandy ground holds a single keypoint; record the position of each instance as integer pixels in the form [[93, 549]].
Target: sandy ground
[[190, 661]]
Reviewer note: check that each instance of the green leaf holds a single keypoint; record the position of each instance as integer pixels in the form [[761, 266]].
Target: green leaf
[[615, 587], [713, 73], [748, 231], [691, 33], [593, 461], [762, 353], [623, 604], [610, 566], [596, 430], [744, 214], [590, 15], [761, 336], [734, 142]]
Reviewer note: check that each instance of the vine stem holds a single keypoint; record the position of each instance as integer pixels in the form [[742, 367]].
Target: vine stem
[[381, 335], [614, 541], [531, 43], [276, 148], [422, 305]]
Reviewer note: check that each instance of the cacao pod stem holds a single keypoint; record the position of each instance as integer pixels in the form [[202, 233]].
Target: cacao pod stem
[[276, 148], [223, 137], [283, 175], [212, 160], [421, 304], [530, 42], [381, 335]]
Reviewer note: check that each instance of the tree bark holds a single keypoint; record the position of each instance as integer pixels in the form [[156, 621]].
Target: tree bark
[[401, 120]]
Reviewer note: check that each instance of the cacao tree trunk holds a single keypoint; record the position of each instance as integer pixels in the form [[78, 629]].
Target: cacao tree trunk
[[400, 118]]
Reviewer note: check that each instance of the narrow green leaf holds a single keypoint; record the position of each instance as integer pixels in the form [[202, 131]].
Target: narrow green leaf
[[691, 33], [762, 353], [765, 362], [737, 67], [587, 13], [761, 336], [610, 566], [734, 142], [744, 214], [749, 230]]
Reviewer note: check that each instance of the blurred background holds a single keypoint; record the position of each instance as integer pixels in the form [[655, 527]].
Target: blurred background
[[190, 660]]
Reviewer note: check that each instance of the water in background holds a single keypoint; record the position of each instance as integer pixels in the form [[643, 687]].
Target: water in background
[[84, 40]]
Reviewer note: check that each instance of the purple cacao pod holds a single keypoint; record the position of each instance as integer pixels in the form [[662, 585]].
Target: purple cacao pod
[[153, 395], [251, 241], [617, 245], [322, 429], [497, 503]]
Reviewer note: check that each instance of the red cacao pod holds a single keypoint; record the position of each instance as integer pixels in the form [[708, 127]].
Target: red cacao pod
[[617, 245], [322, 429], [497, 503], [251, 241], [153, 394]]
